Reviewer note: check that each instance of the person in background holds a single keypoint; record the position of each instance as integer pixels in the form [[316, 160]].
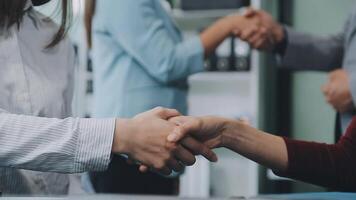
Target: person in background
[[37, 133], [308, 52], [331, 166], [141, 61]]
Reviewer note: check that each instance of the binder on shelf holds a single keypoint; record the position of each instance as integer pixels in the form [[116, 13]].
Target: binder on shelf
[[213, 4]]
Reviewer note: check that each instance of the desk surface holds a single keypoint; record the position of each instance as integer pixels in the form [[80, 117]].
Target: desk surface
[[304, 196], [310, 196]]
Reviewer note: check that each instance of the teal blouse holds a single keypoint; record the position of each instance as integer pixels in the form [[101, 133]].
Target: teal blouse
[[140, 58]]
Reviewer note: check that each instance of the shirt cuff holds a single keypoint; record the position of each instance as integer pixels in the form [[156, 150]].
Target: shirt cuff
[[94, 144], [289, 55]]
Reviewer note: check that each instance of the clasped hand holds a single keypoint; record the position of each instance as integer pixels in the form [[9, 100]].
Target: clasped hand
[[159, 140], [337, 91], [261, 31]]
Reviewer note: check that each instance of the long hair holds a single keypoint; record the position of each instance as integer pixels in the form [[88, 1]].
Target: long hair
[[12, 12], [89, 14]]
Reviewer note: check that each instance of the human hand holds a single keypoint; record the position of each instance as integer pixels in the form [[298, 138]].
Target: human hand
[[267, 35], [144, 139], [208, 130], [238, 136], [337, 91], [241, 25]]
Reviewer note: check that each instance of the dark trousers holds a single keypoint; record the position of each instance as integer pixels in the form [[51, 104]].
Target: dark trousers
[[338, 128], [123, 178]]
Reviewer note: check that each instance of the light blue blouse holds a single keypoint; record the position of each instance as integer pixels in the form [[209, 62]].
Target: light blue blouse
[[140, 58]]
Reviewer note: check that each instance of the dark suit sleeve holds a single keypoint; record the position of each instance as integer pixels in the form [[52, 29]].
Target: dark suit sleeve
[[332, 166], [309, 52]]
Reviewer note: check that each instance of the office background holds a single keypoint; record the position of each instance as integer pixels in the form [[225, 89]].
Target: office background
[[277, 101]]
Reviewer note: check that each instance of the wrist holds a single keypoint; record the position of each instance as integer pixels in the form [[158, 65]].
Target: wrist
[[278, 33], [233, 133], [229, 23], [121, 142]]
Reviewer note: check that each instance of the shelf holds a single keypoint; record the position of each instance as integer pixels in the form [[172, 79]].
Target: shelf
[[221, 76], [202, 14]]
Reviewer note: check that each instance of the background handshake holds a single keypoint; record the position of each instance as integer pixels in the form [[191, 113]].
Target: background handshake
[[264, 33], [162, 140], [261, 31]]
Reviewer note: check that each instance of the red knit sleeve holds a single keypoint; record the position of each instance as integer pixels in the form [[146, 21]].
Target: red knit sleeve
[[332, 166]]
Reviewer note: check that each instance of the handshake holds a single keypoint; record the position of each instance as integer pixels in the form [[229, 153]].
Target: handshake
[[258, 28], [162, 140]]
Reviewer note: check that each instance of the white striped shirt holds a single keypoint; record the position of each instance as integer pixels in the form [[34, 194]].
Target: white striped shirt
[[36, 131]]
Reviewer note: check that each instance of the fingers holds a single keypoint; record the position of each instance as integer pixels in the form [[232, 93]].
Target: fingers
[[165, 171], [250, 12], [143, 168], [260, 34], [172, 165], [248, 33], [161, 170], [186, 125], [198, 148], [185, 156], [166, 113], [175, 165]]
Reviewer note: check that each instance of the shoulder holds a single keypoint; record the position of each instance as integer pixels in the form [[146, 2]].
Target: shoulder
[[123, 6]]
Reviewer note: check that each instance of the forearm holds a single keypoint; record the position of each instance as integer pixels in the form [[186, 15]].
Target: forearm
[[266, 149], [213, 36], [321, 164], [325, 165], [69, 145]]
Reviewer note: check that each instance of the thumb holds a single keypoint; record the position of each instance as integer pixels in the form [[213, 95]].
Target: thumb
[[250, 12], [166, 113], [187, 125]]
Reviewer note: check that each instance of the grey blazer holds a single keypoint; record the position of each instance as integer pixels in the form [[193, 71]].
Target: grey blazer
[[308, 52]]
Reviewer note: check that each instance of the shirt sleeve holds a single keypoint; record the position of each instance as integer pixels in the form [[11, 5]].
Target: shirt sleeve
[[309, 52], [71, 145], [331, 166], [141, 29]]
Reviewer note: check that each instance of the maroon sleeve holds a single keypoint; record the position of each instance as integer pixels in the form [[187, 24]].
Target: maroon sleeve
[[331, 166]]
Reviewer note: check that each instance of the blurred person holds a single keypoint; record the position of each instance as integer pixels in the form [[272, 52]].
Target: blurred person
[[141, 61], [309, 52], [331, 166], [37, 133]]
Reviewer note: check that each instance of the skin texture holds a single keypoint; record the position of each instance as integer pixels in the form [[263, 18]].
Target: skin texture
[[266, 35], [337, 91], [213, 36], [144, 139], [215, 132]]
